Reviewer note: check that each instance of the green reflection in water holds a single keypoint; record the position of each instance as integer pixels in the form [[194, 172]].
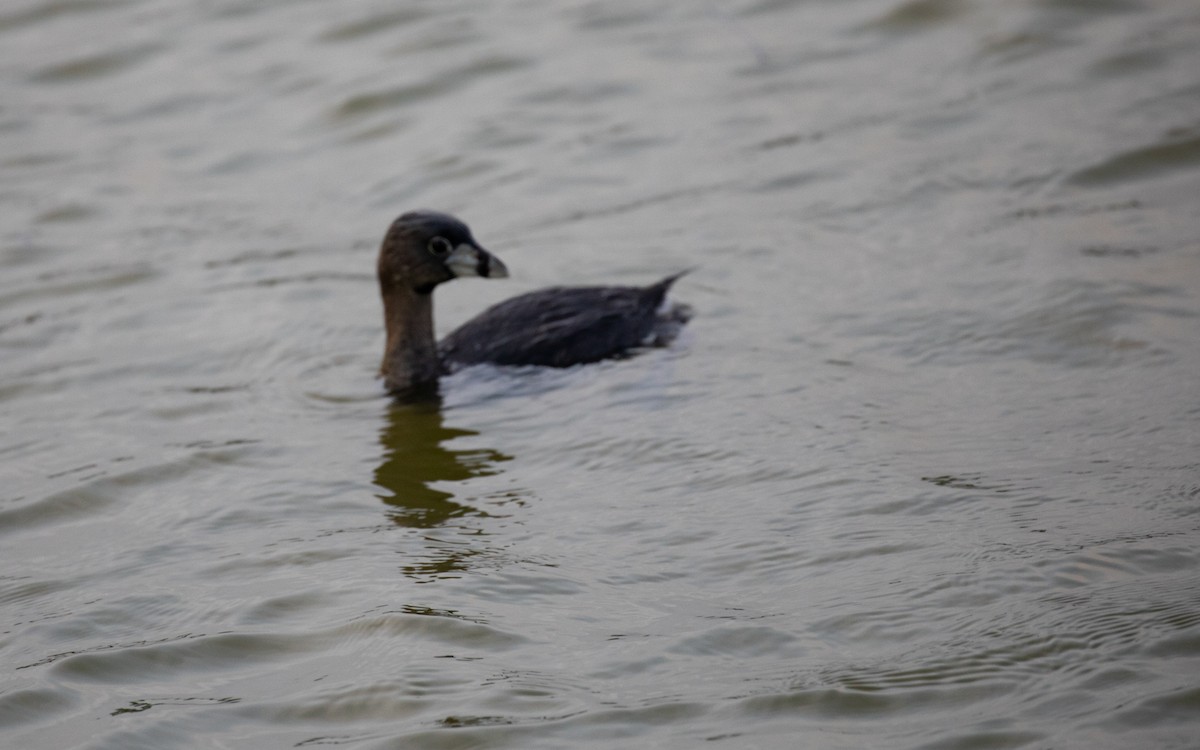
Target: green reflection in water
[[415, 459]]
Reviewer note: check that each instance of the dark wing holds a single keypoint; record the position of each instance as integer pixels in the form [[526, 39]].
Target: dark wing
[[559, 326]]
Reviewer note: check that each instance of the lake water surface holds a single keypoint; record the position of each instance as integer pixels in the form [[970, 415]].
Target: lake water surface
[[923, 471]]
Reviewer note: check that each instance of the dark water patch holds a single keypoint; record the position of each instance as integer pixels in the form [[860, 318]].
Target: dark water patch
[[1062, 20], [388, 99], [210, 390], [13, 124], [1117, 251], [34, 161], [986, 739], [788, 182], [66, 213], [919, 15], [35, 705], [1052, 29], [242, 43], [54, 9], [68, 505], [1052, 210], [857, 704], [1018, 46], [1129, 62], [375, 23], [25, 590], [55, 657], [25, 320], [23, 248], [1167, 103], [179, 105], [399, 96], [506, 135], [582, 92], [237, 163], [771, 6], [39, 381], [96, 66], [1094, 7], [358, 106], [1173, 153], [791, 139], [192, 653], [606, 16], [434, 626]]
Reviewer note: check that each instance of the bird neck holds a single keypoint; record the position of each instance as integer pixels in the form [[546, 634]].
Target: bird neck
[[410, 357]]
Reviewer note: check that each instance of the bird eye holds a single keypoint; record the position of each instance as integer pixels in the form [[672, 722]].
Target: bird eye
[[439, 246]]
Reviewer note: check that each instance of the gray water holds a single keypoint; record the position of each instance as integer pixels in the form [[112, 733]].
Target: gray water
[[923, 472]]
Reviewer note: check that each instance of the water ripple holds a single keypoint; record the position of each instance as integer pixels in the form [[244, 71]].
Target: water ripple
[[922, 474], [1178, 150]]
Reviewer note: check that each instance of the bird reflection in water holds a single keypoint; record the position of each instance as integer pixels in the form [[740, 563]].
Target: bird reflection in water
[[416, 460]]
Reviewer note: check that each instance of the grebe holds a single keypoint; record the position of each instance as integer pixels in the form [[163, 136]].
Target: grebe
[[554, 327]]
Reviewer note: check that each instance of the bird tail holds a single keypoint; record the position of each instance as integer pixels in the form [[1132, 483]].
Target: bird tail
[[659, 288], [677, 313]]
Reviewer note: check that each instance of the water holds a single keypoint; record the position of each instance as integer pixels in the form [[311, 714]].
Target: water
[[922, 473]]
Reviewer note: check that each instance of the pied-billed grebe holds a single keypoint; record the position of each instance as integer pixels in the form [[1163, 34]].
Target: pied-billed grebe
[[555, 327]]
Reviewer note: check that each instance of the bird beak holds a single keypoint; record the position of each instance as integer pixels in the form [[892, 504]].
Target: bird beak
[[472, 260]]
